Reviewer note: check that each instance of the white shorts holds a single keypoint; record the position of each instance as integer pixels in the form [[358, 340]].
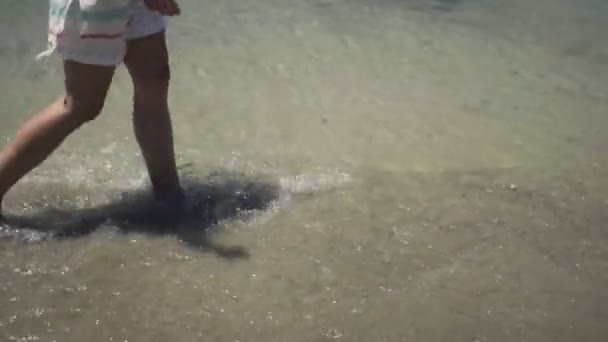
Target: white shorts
[[87, 32]]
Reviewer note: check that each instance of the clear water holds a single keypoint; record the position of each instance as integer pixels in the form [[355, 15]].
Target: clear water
[[422, 170]]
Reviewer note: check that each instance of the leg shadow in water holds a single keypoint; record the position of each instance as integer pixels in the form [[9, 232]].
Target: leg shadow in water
[[208, 202]]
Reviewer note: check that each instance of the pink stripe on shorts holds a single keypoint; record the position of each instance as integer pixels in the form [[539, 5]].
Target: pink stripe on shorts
[[96, 31]]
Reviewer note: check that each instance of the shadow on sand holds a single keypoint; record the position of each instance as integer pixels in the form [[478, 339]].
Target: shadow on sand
[[219, 197]]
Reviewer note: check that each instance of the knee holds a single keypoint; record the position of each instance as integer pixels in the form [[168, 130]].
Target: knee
[[161, 74], [151, 75], [151, 89], [81, 110]]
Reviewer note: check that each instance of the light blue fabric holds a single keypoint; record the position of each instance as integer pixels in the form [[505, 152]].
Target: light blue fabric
[[60, 10]]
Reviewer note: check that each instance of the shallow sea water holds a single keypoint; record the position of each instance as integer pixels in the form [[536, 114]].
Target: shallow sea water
[[422, 170]]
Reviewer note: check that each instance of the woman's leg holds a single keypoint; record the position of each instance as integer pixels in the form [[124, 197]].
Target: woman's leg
[[86, 87], [148, 63]]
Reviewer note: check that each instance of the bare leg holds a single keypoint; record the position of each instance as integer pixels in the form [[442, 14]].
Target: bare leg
[[148, 63], [86, 88]]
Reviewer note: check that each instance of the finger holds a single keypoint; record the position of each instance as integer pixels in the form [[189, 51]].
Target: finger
[[173, 7], [152, 4], [177, 9], [166, 7], [156, 5]]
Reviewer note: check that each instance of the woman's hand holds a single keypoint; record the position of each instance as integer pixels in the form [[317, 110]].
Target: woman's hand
[[164, 7]]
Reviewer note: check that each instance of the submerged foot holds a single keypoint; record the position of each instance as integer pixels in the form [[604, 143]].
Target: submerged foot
[[173, 200], [171, 208], [148, 211]]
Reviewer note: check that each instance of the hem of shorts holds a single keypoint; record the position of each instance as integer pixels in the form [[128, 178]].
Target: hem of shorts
[[148, 32], [90, 60]]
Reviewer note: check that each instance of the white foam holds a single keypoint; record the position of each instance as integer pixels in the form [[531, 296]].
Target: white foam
[[310, 183]]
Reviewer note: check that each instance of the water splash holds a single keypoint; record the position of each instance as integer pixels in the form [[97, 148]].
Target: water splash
[[221, 196], [311, 183]]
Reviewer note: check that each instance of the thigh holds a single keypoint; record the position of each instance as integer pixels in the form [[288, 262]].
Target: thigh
[[86, 87], [147, 61]]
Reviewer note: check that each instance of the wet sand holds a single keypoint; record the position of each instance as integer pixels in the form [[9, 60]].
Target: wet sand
[[359, 171]]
